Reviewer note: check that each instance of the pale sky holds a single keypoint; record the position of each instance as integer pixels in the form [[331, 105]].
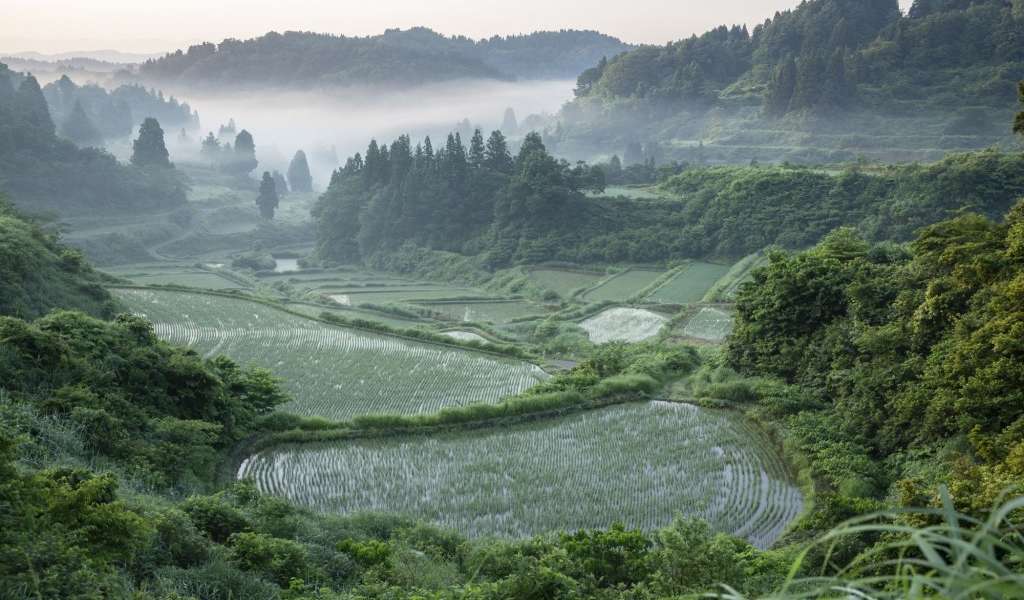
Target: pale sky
[[54, 26]]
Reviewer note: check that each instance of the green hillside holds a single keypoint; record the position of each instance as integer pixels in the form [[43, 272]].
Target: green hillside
[[827, 81]]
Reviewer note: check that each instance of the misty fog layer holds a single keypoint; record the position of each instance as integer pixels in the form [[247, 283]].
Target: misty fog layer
[[345, 120]]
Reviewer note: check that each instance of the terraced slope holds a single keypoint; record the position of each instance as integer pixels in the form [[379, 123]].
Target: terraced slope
[[639, 463], [331, 371]]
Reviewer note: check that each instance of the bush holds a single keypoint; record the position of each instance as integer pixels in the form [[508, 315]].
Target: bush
[[276, 559]]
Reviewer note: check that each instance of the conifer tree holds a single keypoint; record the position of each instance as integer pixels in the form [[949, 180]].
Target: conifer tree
[[268, 200], [210, 150], [31, 103], [509, 124], [811, 73], [79, 129], [281, 184], [1018, 124], [780, 92], [497, 156], [243, 159], [836, 90], [477, 151], [299, 178], [149, 149]]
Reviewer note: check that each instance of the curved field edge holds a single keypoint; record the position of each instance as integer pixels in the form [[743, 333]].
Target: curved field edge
[[717, 466], [334, 372], [326, 318]]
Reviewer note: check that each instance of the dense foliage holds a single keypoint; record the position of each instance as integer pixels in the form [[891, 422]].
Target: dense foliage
[[481, 203], [841, 72], [300, 60], [37, 274], [908, 357], [41, 172]]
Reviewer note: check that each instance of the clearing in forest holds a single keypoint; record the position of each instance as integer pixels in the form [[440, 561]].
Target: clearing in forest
[[640, 464], [623, 325], [331, 371]]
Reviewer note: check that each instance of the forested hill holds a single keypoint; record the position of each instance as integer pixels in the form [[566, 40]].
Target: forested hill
[[42, 172], [396, 57], [825, 81], [482, 202], [38, 275]]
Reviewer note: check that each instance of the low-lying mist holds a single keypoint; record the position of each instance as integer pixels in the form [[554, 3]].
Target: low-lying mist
[[331, 126]]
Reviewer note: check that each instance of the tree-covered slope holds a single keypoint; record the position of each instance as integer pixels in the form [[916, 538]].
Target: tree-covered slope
[[114, 113], [38, 275], [910, 356], [41, 172], [825, 81], [401, 58], [532, 208]]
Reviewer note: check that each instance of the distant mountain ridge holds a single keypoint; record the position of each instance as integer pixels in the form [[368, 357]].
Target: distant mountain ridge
[[105, 56], [396, 57], [826, 81]]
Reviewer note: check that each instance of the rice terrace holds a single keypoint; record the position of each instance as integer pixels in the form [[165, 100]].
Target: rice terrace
[[400, 300], [334, 372], [579, 472]]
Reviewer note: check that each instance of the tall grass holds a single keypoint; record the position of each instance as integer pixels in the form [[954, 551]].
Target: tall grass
[[955, 557]]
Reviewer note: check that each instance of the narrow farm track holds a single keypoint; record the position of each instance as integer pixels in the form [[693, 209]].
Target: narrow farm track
[[331, 371], [640, 464]]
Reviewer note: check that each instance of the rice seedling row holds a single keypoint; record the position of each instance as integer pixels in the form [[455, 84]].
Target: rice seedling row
[[622, 286], [564, 282], [623, 325], [195, 279], [640, 464], [690, 284], [332, 372], [493, 312]]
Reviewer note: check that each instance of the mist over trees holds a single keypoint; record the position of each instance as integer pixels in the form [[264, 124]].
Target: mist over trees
[[149, 149], [42, 172], [115, 113], [850, 69], [298, 60], [299, 178], [268, 200]]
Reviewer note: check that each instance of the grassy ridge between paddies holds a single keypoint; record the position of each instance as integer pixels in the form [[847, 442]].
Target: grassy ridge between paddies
[[584, 470], [332, 372]]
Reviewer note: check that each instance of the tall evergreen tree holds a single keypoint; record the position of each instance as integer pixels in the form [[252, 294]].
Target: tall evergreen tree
[[149, 149], [31, 103], [781, 89], [497, 156], [477, 150], [836, 91], [810, 77], [280, 183], [509, 124], [243, 160], [299, 177], [1018, 124], [210, 150], [268, 200], [78, 127]]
